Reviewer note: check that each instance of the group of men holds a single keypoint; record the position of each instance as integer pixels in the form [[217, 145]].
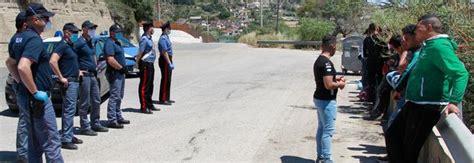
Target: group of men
[[74, 63], [427, 79]]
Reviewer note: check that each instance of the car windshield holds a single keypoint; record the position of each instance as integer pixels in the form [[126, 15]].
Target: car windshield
[[125, 43]]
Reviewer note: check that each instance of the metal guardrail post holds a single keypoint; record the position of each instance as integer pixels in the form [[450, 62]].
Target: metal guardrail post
[[458, 138]]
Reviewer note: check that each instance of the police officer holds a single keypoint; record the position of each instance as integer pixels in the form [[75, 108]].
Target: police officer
[[89, 87], [36, 77], [166, 64], [64, 64], [115, 74], [145, 60], [24, 114]]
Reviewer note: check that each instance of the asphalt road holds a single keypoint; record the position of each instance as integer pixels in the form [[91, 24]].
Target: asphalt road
[[234, 103]]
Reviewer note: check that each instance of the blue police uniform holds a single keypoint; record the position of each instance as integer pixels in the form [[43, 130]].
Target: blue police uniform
[[44, 136], [116, 81], [24, 122], [90, 93], [147, 73], [69, 67], [164, 44]]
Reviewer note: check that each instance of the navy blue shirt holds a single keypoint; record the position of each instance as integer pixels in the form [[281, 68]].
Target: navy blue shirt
[[85, 51], [164, 44], [30, 45], [10, 44], [68, 63], [112, 48]]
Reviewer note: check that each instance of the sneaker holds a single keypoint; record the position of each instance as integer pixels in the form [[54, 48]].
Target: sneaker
[[76, 140], [115, 125], [123, 121], [100, 128], [88, 132], [70, 146]]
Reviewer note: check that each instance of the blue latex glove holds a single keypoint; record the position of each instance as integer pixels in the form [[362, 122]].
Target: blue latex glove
[[171, 66], [41, 96]]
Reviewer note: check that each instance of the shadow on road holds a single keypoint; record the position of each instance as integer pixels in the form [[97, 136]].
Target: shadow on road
[[8, 113], [131, 110], [7, 156], [352, 109], [295, 159], [368, 149], [308, 107]]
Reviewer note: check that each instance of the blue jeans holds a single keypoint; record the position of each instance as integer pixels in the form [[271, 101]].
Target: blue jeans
[[24, 122], [89, 99], [326, 126], [69, 109], [44, 137], [117, 85], [394, 114]]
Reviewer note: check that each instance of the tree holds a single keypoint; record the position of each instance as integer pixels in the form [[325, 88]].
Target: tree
[[314, 29]]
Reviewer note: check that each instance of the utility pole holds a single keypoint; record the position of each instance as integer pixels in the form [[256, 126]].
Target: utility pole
[[158, 9], [261, 13], [278, 16]]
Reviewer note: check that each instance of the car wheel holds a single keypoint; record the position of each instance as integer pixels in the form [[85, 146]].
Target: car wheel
[[14, 108]]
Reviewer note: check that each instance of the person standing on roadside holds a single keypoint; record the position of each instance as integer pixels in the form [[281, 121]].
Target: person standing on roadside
[[24, 122], [89, 93], [146, 62], [115, 74], [64, 64], [36, 77], [166, 64], [325, 98]]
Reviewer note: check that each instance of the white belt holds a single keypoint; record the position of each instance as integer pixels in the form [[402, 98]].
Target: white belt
[[147, 55]]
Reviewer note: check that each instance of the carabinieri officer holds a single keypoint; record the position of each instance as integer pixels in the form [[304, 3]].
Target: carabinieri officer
[[166, 64], [24, 115], [115, 74], [90, 96], [36, 77], [64, 64], [145, 59]]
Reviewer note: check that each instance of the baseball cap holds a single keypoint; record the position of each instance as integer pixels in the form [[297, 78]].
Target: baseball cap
[[115, 28], [71, 27], [88, 24], [38, 9], [21, 18]]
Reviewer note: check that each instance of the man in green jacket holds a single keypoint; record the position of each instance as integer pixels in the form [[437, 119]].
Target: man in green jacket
[[436, 86]]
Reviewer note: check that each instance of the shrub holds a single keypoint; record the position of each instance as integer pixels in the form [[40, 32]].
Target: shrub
[[314, 29]]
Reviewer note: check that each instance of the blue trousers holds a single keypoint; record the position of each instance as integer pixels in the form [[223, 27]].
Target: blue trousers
[[117, 86], [24, 122], [326, 126], [89, 99], [44, 135], [69, 109]]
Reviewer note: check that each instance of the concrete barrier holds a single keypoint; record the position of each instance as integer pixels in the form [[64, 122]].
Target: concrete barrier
[[450, 141]]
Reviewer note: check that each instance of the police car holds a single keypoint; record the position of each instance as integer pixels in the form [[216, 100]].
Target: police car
[[56, 98]]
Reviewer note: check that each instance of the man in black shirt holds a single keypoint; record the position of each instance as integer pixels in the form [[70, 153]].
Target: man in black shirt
[[373, 48], [325, 98]]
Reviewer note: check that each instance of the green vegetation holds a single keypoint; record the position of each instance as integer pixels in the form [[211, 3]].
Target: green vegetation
[[314, 29]]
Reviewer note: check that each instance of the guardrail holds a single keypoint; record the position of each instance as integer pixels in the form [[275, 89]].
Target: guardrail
[[273, 42], [450, 141]]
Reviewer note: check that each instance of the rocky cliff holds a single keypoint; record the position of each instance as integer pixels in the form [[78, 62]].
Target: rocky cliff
[[66, 11]]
